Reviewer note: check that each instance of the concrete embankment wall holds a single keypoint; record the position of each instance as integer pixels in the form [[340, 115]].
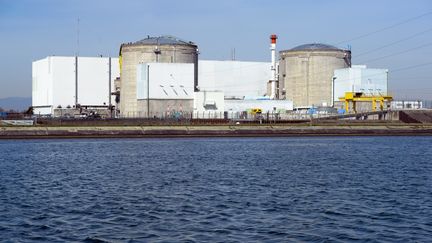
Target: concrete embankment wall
[[416, 116], [211, 131]]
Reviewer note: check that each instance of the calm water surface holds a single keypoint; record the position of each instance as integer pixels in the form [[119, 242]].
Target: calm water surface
[[376, 189]]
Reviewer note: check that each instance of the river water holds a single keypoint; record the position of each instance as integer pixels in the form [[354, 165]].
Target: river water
[[319, 189]]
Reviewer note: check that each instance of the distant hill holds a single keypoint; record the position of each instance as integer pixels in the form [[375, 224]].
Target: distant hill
[[15, 103]]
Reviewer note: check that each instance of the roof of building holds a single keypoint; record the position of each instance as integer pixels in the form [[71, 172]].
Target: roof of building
[[163, 40], [315, 47]]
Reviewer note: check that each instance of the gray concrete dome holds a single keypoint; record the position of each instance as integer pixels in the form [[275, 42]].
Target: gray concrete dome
[[314, 46], [163, 40]]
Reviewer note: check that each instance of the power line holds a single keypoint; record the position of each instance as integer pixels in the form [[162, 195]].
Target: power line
[[411, 67], [364, 53], [385, 28], [393, 71], [398, 53], [214, 73], [417, 89], [413, 78], [379, 58], [393, 43]]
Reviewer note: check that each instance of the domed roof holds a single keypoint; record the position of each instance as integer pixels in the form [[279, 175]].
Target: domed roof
[[164, 40], [315, 46]]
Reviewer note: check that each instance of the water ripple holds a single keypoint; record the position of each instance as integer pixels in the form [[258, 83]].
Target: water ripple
[[367, 189]]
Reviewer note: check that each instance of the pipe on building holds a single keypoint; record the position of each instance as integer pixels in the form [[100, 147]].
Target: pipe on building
[[109, 86], [196, 71]]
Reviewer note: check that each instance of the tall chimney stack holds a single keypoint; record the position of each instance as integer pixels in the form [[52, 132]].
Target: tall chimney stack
[[273, 80]]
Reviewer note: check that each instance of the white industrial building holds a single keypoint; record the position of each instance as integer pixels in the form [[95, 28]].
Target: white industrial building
[[163, 88], [406, 105], [234, 78], [222, 84], [64, 82], [359, 78], [162, 75], [209, 104], [243, 108], [165, 81], [267, 106]]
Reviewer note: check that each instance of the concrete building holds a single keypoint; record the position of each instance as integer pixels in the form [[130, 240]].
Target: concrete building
[[306, 72], [223, 83], [65, 82], [359, 78], [245, 109], [209, 104], [406, 105], [234, 78], [162, 89], [267, 106], [163, 49]]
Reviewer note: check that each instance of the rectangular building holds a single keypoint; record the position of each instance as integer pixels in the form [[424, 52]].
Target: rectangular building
[[161, 88], [359, 78], [266, 106], [234, 78], [64, 82], [164, 89], [406, 105]]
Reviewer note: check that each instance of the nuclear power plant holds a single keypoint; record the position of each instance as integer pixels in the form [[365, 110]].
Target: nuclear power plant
[[163, 76]]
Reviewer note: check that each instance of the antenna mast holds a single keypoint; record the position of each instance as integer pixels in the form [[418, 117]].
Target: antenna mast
[[78, 36]]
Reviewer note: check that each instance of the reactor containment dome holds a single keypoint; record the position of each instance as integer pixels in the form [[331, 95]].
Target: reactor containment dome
[[306, 73]]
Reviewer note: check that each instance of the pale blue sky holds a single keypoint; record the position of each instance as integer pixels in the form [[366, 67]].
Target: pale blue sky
[[34, 29]]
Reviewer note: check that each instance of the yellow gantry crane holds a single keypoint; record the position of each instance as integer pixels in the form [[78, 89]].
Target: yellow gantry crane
[[354, 97]]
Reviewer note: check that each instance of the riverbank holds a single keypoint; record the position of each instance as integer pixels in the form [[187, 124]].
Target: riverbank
[[212, 131]]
